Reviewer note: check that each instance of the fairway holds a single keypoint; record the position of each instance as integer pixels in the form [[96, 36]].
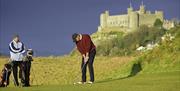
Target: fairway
[[168, 81]]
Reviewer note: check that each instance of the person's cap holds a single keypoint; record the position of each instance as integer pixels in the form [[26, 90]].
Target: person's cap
[[74, 36], [16, 36]]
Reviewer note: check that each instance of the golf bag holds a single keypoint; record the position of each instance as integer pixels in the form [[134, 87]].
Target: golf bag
[[26, 66], [5, 74]]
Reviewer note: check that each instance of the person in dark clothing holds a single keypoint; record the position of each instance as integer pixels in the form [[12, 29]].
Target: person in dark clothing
[[5, 74], [26, 68], [88, 51]]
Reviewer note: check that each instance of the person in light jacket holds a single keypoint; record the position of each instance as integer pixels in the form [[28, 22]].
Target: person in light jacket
[[17, 49]]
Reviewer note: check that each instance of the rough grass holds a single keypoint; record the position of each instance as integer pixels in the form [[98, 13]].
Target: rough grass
[[64, 70]]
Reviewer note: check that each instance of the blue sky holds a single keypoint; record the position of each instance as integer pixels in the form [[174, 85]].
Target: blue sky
[[47, 25]]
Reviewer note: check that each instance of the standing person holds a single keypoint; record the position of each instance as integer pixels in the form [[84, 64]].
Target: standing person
[[17, 49], [26, 68], [88, 51]]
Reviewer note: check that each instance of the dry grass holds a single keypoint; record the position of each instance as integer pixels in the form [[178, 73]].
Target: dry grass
[[64, 70]]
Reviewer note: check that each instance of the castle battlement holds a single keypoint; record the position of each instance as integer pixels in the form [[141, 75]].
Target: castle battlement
[[132, 20]]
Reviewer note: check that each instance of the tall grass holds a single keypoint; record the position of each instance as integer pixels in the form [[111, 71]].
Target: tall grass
[[64, 70]]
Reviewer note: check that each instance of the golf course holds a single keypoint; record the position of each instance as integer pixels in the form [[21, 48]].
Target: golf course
[[89, 45], [151, 70], [117, 75]]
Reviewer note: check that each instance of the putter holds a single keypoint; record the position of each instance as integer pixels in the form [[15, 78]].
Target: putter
[[80, 72]]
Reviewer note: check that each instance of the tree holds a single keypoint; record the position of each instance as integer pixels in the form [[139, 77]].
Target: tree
[[158, 23]]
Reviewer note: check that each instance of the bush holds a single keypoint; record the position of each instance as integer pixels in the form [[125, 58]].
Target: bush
[[158, 23], [165, 57]]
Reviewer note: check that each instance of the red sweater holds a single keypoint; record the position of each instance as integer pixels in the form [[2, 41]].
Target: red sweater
[[85, 44]]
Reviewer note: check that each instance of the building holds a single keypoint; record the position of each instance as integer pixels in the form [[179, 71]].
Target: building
[[132, 20], [168, 24]]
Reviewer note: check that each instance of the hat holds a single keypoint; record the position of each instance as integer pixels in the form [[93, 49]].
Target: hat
[[15, 36], [74, 36]]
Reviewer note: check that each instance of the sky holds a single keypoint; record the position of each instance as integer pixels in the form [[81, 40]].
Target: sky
[[46, 26]]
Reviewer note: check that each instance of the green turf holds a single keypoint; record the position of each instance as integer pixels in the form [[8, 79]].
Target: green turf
[[168, 81]]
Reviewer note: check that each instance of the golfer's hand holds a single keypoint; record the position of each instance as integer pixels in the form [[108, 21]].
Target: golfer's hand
[[86, 59]]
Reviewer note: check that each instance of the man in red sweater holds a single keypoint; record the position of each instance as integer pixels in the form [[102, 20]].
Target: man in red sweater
[[88, 51]]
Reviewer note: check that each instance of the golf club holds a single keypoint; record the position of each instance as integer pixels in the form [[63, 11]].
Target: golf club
[[79, 72]]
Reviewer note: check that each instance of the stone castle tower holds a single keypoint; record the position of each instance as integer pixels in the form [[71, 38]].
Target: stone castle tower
[[132, 20]]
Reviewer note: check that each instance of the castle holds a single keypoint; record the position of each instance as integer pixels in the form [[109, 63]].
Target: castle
[[132, 20]]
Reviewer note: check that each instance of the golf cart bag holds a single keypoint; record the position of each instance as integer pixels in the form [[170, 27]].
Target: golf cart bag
[[26, 66], [5, 74]]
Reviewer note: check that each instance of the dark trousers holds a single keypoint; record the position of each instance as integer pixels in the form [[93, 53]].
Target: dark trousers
[[15, 65], [90, 66], [26, 73]]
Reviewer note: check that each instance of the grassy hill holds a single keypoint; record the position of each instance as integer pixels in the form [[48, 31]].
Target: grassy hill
[[165, 57], [151, 70]]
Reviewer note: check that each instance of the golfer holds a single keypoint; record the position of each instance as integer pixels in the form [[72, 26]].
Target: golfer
[[17, 49], [88, 51]]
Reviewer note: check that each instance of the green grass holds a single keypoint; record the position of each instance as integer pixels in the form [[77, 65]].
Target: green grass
[[168, 81]]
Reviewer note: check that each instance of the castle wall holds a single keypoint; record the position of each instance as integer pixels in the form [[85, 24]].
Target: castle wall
[[148, 19], [159, 14], [103, 20], [118, 20], [133, 20]]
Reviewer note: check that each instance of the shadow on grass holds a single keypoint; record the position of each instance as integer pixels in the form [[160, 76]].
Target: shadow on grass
[[136, 68]]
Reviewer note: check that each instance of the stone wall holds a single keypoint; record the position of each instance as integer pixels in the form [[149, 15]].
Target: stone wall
[[118, 20]]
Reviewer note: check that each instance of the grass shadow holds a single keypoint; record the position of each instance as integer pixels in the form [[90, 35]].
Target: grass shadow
[[136, 68]]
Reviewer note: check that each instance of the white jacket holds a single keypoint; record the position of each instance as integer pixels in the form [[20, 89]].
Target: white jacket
[[16, 50]]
